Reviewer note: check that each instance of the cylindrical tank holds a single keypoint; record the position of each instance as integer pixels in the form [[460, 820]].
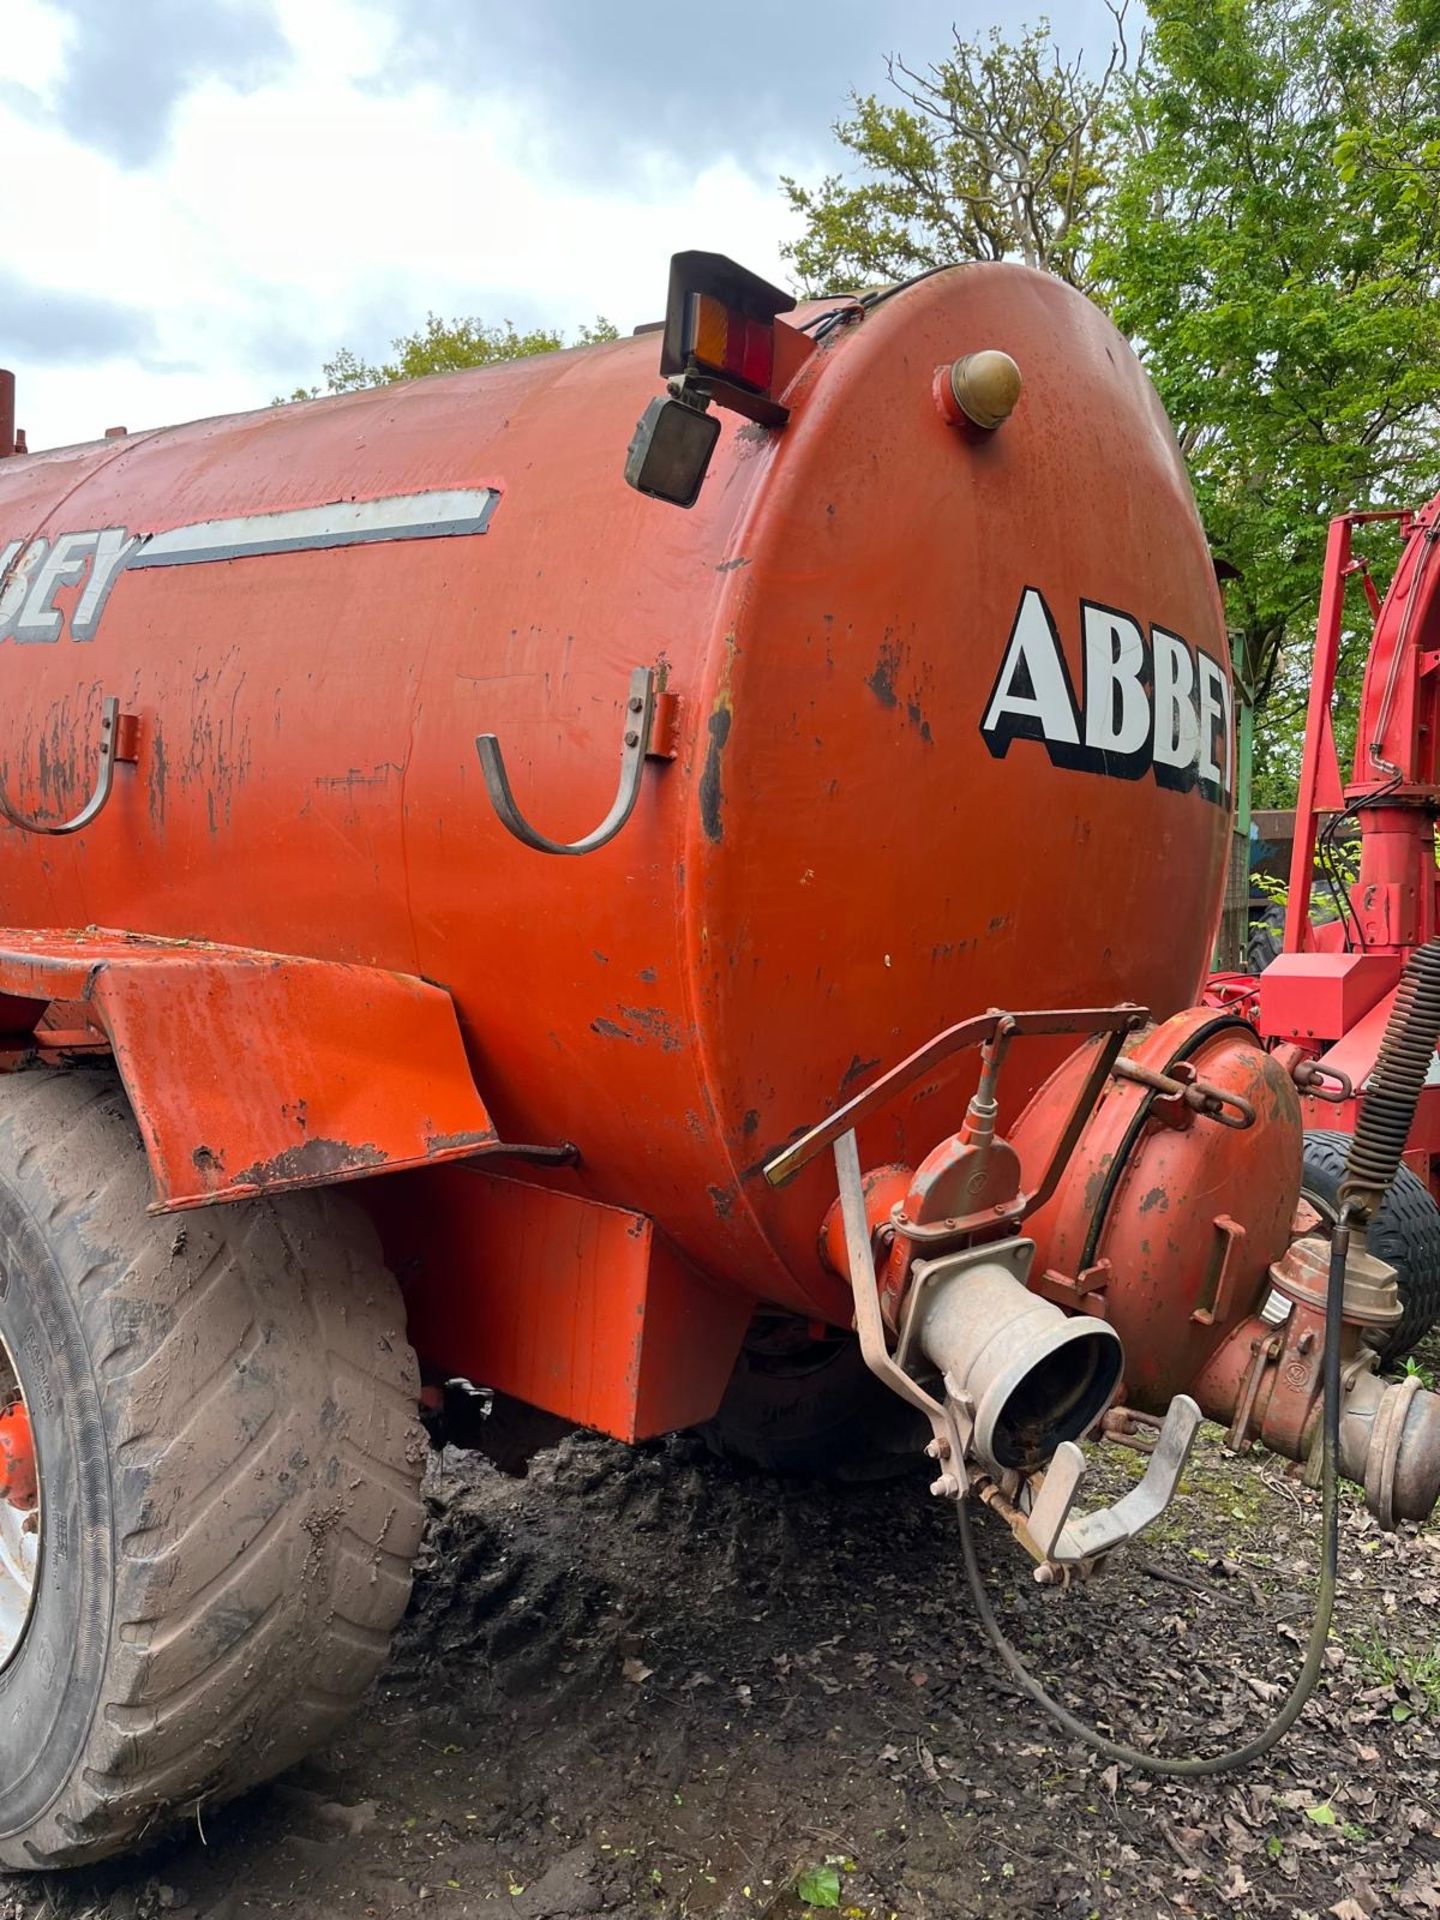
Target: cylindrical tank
[[913, 777]]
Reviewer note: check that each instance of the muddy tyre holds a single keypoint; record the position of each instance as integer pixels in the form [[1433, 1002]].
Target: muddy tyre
[[1406, 1232], [223, 1416], [812, 1408]]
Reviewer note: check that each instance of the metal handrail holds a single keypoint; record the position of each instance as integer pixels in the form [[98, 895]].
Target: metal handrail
[[110, 723], [639, 720]]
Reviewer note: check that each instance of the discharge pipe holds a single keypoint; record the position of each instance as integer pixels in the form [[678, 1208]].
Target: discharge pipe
[[1381, 1132], [1034, 1376]]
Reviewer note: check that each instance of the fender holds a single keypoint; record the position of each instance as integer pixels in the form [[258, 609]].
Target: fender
[[251, 1072]]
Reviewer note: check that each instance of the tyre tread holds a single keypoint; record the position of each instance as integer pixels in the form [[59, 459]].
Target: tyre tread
[[311, 1320]]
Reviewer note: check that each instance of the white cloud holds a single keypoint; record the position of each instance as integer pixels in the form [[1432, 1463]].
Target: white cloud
[[36, 43], [317, 211], [407, 155]]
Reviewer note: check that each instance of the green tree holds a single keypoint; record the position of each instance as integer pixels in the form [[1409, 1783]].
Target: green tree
[[1276, 269], [446, 346], [999, 150], [1255, 198]]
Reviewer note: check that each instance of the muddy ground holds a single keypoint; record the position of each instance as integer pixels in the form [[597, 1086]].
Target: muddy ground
[[645, 1684]]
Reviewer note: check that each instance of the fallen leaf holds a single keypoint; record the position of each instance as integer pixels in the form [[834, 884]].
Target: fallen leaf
[[636, 1672], [819, 1887]]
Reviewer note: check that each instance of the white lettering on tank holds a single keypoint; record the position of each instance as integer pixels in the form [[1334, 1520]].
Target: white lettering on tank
[[39, 621], [113, 548], [1117, 706], [1214, 721], [1177, 725], [18, 584], [1032, 697], [1151, 703]]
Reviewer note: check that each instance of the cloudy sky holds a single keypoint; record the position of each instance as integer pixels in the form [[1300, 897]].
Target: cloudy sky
[[202, 199]]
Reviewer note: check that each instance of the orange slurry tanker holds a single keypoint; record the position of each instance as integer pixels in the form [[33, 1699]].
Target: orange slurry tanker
[[677, 925]]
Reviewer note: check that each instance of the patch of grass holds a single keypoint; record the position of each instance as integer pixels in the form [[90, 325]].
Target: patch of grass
[[1414, 1674]]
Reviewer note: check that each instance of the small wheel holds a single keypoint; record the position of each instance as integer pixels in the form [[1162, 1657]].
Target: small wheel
[[211, 1468], [798, 1405], [1405, 1232]]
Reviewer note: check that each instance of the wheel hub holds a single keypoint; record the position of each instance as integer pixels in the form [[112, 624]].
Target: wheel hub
[[19, 1511]]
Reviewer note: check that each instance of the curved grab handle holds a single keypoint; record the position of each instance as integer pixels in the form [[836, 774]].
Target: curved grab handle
[[111, 719], [639, 720]]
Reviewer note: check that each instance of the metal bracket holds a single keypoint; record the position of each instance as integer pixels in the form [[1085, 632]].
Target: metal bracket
[[113, 725], [640, 706], [1057, 1540], [948, 1445], [1184, 1095]]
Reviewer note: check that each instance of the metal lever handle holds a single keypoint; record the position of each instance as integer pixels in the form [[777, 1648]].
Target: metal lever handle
[[1059, 1538], [111, 720], [639, 720]]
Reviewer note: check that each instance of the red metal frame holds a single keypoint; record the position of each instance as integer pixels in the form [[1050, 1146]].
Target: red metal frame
[[1330, 988]]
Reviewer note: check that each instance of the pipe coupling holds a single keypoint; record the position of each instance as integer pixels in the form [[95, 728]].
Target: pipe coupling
[[1032, 1375]]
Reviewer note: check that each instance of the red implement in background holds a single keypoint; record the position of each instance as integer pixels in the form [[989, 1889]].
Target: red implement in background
[[1331, 987]]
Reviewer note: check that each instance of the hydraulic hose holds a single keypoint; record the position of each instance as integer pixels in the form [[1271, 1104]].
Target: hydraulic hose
[[1280, 1725], [1386, 1116]]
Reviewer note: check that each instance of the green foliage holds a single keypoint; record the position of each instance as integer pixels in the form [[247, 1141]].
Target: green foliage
[[1256, 201], [1280, 284], [1417, 1677], [446, 346], [997, 151]]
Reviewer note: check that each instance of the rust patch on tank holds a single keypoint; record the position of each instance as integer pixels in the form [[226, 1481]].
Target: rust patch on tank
[[654, 1024], [856, 1068], [353, 777], [882, 681], [155, 785], [711, 792], [608, 1030]]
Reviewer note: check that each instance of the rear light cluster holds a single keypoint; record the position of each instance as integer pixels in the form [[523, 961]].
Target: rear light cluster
[[719, 348], [723, 340]]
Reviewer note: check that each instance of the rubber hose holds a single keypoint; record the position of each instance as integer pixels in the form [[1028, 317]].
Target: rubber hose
[[1387, 1111], [1196, 1766]]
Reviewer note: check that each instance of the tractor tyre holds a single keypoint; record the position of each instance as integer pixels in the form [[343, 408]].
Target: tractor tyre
[[1264, 939], [1405, 1232], [226, 1504], [812, 1408]]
